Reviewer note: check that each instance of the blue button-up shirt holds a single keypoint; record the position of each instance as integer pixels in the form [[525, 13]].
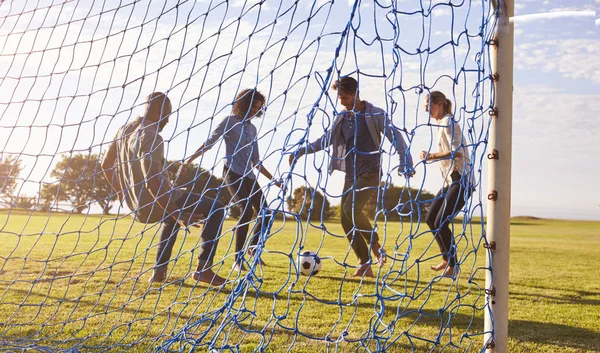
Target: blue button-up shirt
[[363, 156], [241, 147]]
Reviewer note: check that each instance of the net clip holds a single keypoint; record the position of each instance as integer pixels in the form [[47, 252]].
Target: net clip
[[491, 245], [494, 155]]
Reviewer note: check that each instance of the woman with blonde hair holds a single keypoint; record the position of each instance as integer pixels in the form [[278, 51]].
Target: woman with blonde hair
[[453, 158]]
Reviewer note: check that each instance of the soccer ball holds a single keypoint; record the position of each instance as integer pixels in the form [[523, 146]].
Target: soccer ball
[[309, 263]]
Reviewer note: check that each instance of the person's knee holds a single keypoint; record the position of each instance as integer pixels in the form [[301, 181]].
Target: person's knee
[[431, 221], [348, 210], [218, 210]]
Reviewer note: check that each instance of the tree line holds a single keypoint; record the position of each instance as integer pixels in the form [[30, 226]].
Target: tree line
[[79, 182]]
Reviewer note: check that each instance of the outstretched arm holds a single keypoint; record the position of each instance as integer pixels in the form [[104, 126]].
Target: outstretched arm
[[313, 147], [217, 133], [196, 154]]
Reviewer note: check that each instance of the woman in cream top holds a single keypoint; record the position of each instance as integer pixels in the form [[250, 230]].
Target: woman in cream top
[[453, 158]]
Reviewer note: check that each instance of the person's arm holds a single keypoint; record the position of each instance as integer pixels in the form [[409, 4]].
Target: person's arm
[[108, 169], [312, 147], [196, 154], [394, 135], [268, 175], [454, 134], [217, 133]]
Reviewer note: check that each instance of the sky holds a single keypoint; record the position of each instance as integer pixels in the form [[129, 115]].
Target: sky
[[72, 72]]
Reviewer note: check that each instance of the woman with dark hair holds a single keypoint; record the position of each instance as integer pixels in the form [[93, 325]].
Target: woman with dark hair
[[453, 158], [242, 156]]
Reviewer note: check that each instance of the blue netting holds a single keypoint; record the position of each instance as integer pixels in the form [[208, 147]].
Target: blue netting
[[74, 266]]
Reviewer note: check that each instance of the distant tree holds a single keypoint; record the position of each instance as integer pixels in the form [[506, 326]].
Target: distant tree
[[79, 181], [395, 201], [307, 200], [24, 202], [202, 182], [10, 168], [48, 196]]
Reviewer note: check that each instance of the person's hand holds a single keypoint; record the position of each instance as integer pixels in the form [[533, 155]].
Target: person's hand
[[406, 171], [423, 155], [187, 219], [291, 159], [278, 183]]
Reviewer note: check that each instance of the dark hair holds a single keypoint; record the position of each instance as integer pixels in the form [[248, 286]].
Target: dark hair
[[345, 84], [155, 103], [244, 100], [437, 97]]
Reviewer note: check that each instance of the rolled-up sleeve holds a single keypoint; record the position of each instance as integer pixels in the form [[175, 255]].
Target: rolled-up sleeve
[[255, 153]]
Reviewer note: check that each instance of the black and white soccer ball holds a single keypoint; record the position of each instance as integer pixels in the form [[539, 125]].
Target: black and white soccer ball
[[309, 263]]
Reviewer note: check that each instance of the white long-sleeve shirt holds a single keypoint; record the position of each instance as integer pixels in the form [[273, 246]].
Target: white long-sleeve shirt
[[451, 139]]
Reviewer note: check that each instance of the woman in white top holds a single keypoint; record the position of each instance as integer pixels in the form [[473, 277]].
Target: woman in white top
[[453, 158]]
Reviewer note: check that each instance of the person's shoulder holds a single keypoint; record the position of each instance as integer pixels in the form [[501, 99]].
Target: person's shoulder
[[149, 135], [372, 110], [447, 119]]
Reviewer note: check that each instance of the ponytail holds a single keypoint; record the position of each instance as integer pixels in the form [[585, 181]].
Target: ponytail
[[437, 97], [448, 107]]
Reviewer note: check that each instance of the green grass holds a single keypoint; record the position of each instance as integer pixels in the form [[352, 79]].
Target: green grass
[[82, 281]]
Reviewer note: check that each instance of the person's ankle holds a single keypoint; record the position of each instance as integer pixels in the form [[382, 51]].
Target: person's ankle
[[159, 274]]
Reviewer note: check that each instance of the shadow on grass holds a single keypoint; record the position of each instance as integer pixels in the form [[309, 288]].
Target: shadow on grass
[[520, 330], [574, 296], [555, 334]]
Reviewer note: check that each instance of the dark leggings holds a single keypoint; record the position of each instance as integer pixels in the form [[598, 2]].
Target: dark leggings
[[248, 197], [214, 212], [447, 203]]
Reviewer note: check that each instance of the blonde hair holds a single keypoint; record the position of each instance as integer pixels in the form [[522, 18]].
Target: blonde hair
[[437, 97]]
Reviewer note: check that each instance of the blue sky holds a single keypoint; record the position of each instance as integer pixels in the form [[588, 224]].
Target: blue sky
[[71, 75]]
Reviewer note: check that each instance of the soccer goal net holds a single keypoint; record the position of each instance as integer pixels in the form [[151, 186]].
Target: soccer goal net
[[316, 195]]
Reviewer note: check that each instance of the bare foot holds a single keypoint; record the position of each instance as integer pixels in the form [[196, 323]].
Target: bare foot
[[379, 253], [159, 275], [364, 271], [251, 253], [238, 267], [209, 277], [441, 266], [450, 272]]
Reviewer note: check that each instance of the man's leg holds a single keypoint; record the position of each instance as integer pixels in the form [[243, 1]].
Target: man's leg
[[356, 240], [165, 248], [366, 186]]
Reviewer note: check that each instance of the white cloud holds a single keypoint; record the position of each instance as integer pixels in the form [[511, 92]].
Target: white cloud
[[557, 14], [554, 135], [572, 58]]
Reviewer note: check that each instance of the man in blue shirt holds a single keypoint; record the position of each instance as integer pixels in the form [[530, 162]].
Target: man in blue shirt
[[355, 141]]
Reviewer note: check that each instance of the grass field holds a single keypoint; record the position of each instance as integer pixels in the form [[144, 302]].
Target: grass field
[[66, 278]]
